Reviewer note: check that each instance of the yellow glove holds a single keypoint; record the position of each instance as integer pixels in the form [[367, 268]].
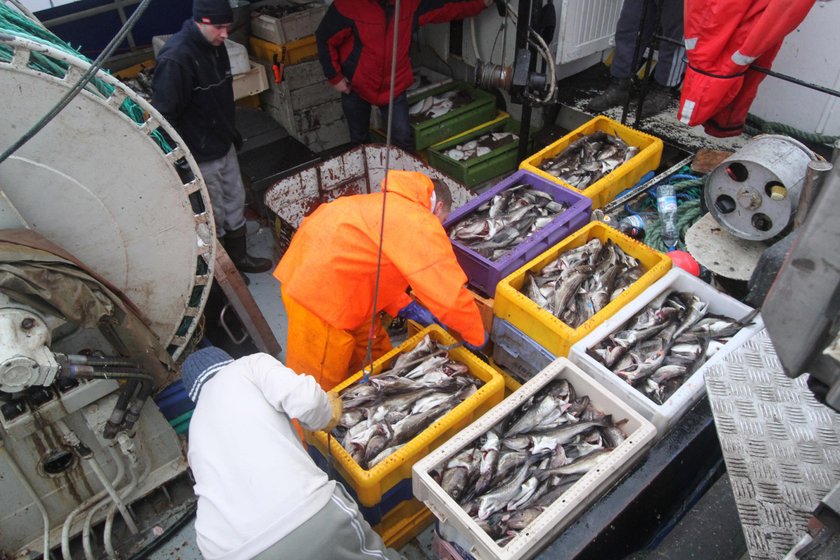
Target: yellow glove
[[335, 406]]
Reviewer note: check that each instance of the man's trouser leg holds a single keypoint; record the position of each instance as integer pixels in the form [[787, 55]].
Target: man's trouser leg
[[625, 36], [227, 193], [315, 348], [671, 64], [357, 112], [402, 135], [337, 532], [380, 346]]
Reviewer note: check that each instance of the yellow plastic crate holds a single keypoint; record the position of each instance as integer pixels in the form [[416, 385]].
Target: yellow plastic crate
[[370, 485], [622, 177], [547, 330], [403, 523], [296, 51]]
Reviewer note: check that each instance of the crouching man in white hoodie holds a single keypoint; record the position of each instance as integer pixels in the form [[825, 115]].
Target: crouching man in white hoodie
[[259, 494]]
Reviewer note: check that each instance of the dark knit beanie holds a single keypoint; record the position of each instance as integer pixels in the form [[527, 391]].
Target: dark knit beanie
[[215, 12]]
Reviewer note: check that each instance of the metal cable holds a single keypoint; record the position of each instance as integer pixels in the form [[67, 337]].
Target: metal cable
[[367, 368], [83, 81]]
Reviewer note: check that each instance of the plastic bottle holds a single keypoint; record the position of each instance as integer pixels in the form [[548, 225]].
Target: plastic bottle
[[632, 225], [666, 205]]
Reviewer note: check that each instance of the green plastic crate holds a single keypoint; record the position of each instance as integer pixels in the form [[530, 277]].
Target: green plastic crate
[[481, 110], [479, 169]]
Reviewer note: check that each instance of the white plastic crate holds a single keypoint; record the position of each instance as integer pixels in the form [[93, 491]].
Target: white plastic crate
[[562, 512], [664, 416], [251, 82]]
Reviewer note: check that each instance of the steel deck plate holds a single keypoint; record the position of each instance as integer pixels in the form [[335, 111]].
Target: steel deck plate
[[781, 447]]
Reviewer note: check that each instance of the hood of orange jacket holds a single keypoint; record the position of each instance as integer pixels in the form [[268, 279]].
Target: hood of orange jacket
[[330, 265]]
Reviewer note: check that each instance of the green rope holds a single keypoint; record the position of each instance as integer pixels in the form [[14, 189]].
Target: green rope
[[687, 214], [14, 23], [756, 125]]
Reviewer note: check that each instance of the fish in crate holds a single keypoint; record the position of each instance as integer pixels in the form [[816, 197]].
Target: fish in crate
[[506, 220], [385, 413], [524, 463], [582, 281], [662, 345], [588, 159], [481, 146]]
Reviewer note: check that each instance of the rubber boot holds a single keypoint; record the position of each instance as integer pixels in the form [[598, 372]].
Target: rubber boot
[[236, 246], [615, 95], [658, 99]]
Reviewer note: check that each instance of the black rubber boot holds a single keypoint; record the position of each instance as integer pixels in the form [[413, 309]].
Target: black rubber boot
[[613, 96], [236, 246], [658, 99]]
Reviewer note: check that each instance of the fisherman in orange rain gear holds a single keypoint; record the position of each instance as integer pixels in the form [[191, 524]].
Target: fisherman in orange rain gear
[[328, 276]]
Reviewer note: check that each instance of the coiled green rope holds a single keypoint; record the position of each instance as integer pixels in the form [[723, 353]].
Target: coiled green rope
[[16, 24], [756, 125]]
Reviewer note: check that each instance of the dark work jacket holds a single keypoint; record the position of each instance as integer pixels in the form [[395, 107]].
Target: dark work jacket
[[193, 89]]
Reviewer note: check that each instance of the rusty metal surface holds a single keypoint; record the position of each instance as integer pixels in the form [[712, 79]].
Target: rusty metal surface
[[781, 447], [357, 171]]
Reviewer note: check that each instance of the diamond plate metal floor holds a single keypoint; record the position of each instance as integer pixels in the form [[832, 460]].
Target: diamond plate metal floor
[[781, 447]]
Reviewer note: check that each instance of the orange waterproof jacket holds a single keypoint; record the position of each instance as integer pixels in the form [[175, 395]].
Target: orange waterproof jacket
[[330, 265]]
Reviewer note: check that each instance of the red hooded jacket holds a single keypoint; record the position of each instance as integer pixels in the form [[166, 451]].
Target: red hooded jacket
[[356, 37]]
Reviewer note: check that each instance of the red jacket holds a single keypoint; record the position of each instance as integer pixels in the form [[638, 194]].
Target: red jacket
[[722, 39], [330, 266], [356, 37]]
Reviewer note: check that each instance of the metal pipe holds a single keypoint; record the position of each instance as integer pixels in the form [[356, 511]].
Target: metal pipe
[[815, 177], [68, 521], [34, 495], [87, 454], [127, 447], [88, 549]]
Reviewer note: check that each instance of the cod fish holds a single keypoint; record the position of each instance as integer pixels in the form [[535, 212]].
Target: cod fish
[[506, 220], [582, 281], [420, 387], [508, 476], [662, 345], [588, 159], [434, 106]]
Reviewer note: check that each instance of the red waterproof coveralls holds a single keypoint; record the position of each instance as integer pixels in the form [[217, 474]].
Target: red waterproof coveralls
[[329, 272], [722, 39]]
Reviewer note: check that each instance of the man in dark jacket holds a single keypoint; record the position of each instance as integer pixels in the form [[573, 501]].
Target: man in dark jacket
[[193, 89], [355, 41]]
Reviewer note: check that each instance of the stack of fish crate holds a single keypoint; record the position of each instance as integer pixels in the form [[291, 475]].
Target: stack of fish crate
[[535, 501], [444, 111], [665, 387], [299, 96], [383, 490], [525, 330]]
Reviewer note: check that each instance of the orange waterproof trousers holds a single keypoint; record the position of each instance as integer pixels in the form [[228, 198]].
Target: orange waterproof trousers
[[328, 354]]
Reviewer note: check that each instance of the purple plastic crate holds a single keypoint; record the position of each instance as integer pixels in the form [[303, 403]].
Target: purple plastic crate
[[484, 274]]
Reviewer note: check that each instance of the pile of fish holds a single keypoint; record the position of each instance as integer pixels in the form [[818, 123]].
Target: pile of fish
[[283, 10], [507, 219], [382, 415], [589, 158], [528, 460], [580, 282], [434, 106], [142, 83], [659, 348], [481, 146]]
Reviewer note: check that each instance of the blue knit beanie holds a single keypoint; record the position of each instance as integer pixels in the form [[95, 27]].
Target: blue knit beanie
[[200, 367]]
